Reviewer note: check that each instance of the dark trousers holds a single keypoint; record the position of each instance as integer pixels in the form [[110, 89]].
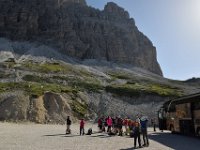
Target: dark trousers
[[145, 137], [137, 136], [109, 129], [120, 130], [82, 131], [100, 127], [154, 127]]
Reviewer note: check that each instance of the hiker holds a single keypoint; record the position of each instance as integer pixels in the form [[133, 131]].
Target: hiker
[[82, 125], [136, 131], [153, 123], [144, 122], [100, 124], [131, 128], [119, 126], [109, 123], [103, 124], [130, 124], [68, 123], [114, 124], [125, 123]]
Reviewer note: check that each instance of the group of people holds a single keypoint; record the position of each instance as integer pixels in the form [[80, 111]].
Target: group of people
[[69, 122], [133, 128], [114, 126]]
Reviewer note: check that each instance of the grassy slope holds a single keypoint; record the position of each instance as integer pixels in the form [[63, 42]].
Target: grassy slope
[[58, 77], [135, 86], [66, 78]]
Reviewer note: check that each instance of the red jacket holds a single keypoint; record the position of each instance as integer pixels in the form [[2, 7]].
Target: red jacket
[[109, 122], [100, 121], [125, 122], [82, 123]]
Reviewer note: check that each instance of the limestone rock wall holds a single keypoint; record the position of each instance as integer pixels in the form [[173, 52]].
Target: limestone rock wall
[[79, 31]]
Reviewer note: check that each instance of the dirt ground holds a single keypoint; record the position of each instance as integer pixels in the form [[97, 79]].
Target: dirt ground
[[52, 137]]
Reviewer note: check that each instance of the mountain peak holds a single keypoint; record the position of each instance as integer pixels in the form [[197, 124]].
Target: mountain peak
[[113, 8]]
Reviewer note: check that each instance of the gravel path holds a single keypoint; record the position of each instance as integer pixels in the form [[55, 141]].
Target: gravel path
[[52, 137]]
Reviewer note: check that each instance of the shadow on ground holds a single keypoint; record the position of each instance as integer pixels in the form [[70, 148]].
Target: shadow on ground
[[102, 136], [128, 149], [72, 135], [175, 141], [54, 135]]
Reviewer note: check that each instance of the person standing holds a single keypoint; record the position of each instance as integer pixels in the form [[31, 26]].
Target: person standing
[[126, 125], [100, 124], [120, 125], [136, 131], [68, 123], [144, 122], [109, 123], [103, 124], [82, 127], [153, 123]]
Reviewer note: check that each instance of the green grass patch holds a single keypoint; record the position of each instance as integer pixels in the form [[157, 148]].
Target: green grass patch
[[118, 75], [79, 108], [39, 89], [91, 85], [64, 78], [164, 90], [123, 90], [47, 67], [32, 88], [78, 78], [88, 84], [34, 78], [82, 84], [137, 89]]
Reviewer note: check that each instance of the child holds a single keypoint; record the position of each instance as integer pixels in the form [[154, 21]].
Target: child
[[82, 124]]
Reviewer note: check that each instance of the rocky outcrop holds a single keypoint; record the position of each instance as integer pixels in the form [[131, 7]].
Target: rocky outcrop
[[48, 108], [54, 108], [79, 31], [14, 106]]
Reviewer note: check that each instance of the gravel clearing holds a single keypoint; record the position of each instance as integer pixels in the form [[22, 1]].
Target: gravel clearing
[[51, 137]]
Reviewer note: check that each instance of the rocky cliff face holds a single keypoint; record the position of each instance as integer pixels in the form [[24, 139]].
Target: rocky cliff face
[[79, 31], [48, 108]]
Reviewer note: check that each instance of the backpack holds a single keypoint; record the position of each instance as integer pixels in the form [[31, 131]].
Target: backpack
[[69, 122], [89, 131]]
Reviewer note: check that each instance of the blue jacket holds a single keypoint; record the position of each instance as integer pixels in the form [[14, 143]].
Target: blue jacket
[[144, 124]]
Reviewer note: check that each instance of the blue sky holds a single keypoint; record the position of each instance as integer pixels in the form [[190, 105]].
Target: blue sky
[[174, 28]]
